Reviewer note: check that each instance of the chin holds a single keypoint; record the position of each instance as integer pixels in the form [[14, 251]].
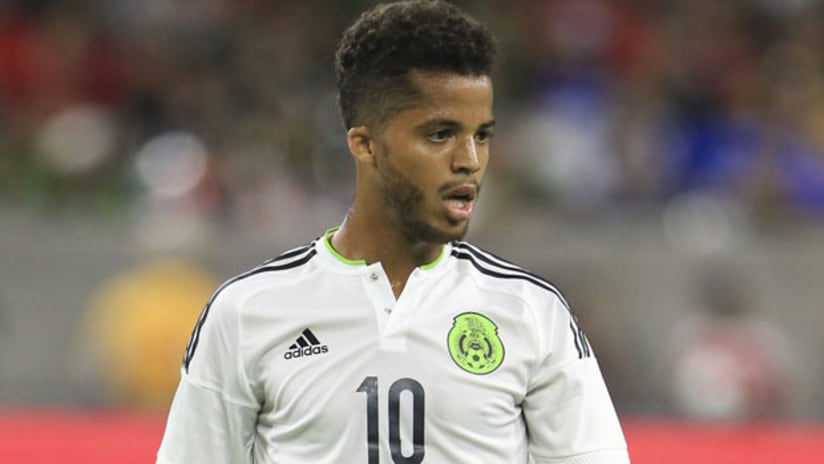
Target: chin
[[457, 232], [420, 231]]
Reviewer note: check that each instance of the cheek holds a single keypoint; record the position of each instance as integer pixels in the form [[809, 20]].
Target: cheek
[[483, 157], [425, 167]]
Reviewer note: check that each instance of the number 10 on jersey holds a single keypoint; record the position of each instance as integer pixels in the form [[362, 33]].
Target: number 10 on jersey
[[370, 387]]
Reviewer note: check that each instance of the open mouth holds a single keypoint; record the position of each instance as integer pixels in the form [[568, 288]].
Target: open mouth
[[459, 201]]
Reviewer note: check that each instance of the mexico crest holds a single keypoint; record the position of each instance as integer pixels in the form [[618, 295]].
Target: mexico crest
[[474, 343]]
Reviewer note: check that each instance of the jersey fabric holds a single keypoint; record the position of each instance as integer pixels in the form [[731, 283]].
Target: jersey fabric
[[309, 358]]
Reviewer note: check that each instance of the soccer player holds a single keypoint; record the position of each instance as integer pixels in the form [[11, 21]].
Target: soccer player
[[387, 339]]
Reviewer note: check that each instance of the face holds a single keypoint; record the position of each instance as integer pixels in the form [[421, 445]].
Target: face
[[432, 157]]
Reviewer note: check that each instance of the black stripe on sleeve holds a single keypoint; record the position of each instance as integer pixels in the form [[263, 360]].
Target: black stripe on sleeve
[[575, 339], [499, 262], [287, 254], [484, 265], [504, 270], [191, 347]]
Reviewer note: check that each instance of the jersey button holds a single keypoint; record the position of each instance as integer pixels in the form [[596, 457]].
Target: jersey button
[[373, 276]]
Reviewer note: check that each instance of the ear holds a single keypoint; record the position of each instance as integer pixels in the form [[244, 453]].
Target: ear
[[361, 144]]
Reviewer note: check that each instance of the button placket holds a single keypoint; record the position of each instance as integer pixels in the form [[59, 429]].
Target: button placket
[[380, 295]]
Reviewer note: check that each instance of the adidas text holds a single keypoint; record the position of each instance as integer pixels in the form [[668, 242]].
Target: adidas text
[[307, 351]]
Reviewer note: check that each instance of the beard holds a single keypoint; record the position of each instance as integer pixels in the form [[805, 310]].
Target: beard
[[407, 200]]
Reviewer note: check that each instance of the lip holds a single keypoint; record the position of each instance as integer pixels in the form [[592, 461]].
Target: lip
[[459, 201]]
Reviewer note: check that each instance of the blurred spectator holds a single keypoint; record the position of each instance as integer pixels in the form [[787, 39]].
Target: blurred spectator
[[789, 179], [728, 364], [564, 140], [138, 324]]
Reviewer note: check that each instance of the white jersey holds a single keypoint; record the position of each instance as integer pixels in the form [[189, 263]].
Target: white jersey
[[309, 358]]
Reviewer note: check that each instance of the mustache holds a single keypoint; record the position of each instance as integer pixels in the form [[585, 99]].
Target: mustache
[[458, 183]]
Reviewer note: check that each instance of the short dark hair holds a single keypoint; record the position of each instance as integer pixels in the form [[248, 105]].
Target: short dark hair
[[376, 54]]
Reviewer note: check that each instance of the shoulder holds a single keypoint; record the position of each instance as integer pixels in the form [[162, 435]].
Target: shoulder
[[505, 276], [285, 266], [549, 309], [223, 308]]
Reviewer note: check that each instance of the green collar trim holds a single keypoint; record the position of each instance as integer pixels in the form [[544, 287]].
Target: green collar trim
[[328, 243], [362, 262], [437, 260]]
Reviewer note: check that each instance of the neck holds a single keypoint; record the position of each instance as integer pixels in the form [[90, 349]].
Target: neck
[[360, 238]]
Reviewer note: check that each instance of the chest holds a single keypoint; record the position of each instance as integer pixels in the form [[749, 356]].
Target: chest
[[444, 350]]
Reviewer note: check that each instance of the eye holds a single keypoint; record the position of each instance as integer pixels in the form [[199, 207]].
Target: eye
[[440, 136], [483, 136]]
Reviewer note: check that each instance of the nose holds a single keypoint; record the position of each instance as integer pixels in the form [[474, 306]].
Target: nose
[[466, 157]]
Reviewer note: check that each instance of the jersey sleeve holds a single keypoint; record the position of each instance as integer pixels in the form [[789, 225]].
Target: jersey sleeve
[[568, 412], [214, 411]]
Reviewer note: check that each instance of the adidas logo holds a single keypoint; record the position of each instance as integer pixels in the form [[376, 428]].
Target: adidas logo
[[305, 345]]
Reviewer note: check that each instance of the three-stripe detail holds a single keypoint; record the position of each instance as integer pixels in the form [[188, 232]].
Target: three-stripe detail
[[306, 338], [494, 266], [288, 260]]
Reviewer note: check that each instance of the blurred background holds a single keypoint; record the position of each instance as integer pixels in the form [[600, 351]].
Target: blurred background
[[661, 161]]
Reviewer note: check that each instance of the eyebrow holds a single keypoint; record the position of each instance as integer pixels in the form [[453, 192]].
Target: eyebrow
[[452, 124], [487, 125]]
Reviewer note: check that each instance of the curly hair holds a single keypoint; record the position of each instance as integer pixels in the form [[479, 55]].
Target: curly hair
[[376, 54]]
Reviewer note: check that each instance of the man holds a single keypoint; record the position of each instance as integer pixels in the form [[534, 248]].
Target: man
[[387, 340]]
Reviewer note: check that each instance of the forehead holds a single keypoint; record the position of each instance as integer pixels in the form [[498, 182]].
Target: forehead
[[465, 99]]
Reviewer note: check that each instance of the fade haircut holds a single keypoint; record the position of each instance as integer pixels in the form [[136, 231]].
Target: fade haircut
[[377, 53]]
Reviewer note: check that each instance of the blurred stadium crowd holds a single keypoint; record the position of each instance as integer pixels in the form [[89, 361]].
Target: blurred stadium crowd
[[180, 112], [607, 105]]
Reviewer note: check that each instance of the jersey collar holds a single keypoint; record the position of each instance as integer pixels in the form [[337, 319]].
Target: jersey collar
[[331, 257]]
